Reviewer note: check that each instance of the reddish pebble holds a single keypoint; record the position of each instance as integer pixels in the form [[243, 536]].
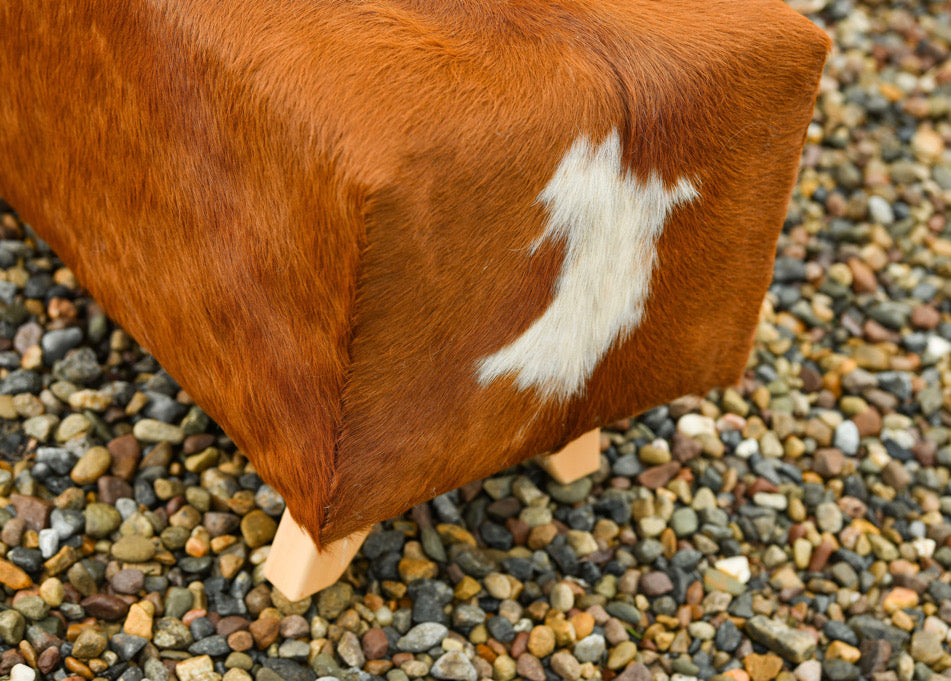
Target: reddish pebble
[[126, 454], [240, 640], [192, 615], [658, 476], [400, 658], [925, 317], [519, 645], [48, 660], [228, 625], [374, 643], [820, 556], [869, 422], [529, 667]]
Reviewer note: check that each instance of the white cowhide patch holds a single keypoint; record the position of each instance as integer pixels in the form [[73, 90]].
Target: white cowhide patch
[[609, 222]]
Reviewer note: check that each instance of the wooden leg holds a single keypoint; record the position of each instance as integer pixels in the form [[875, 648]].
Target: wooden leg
[[575, 460], [298, 569]]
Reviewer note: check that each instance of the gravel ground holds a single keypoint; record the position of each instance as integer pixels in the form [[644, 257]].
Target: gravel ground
[[795, 527]]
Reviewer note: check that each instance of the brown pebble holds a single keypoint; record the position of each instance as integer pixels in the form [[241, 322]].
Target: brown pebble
[[10, 658], [374, 643], [875, 333], [684, 448], [820, 556], [219, 524], [896, 475], [520, 644], [519, 529], [828, 462], [655, 584], [265, 631], [196, 443], [400, 658], [869, 422], [695, 592], [258, 599], [105, 606], [160, 455], [48, 660], [294, 626], [875, 655], [761, 485], [658, 476], [925, 317], [378, 667], [811, 380], [128, 581], [125, 452], [529, 667], [12, 531], [34, 512], [863, 277], [111, 489], [228, 625], [240, 640]]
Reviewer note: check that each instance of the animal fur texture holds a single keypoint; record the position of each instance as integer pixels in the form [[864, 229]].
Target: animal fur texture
[[323, 217]]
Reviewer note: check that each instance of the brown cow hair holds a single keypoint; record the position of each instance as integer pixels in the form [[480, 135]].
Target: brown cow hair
[[317, 215]]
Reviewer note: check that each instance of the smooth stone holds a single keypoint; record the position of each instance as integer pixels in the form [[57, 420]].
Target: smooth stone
[[422, 637], [133, 549], [454, 666]]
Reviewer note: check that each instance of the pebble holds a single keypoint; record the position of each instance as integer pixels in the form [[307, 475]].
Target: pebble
[[565, 666], [133, 549], [453, 665], [793, 645], [590, 648], [422, 637], [20, 672]]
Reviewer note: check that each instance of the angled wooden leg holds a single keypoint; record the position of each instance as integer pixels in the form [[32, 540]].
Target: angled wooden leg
[[298, 569], [575, 460]]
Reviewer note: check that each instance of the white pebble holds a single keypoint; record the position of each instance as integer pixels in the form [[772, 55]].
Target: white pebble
[[695, 424], [776, 501], [738, 567], [847, 437], [937, 348], [880, 210], [48, 542], [924, 547], [126, 507], [21, 672], [810, 670], [747, 448]]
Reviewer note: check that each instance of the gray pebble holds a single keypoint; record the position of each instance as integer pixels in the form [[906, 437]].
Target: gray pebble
[[572, 493], [847, 438], [422, 637], [590, 649], [57, 343], [127, 645], [684, 522], [21, 381], [79, 366], [454, 666], [269, 501], [291, 649], [178, 601]]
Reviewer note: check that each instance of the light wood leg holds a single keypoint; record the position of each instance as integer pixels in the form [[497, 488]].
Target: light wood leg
[[298, 569], [575, 460]]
